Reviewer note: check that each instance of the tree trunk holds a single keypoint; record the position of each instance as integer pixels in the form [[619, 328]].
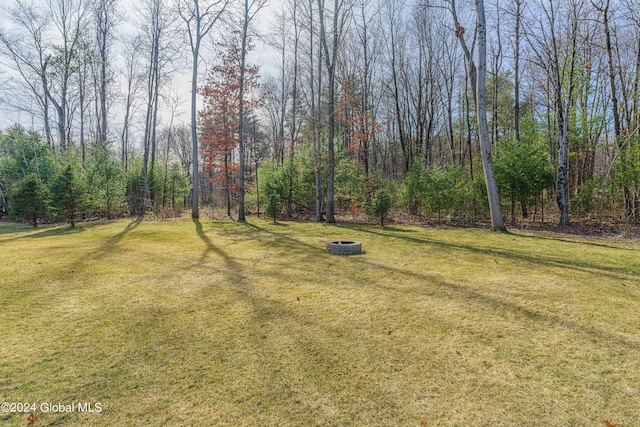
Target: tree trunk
[[481, 112], [243, 56], [562, 111], [628, 200], [104, 25], [198, 26], [516, 74], [477, 78], [314, 115], [195, 158], [294, 109], [330, 60]]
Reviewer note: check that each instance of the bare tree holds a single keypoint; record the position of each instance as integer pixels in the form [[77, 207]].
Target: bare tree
[[516, 68], [251, 8], [366, 28], [70, 18], [294, 127], [199, 18], [28, 51], [314, 96], [155, 30], [477, 79], [181, 145], [448, 66], [279, 91], [395, 50], [341, 14], [173, 101], [105, 14], [497, 64], [133, 81], [603, 7], [560, 67], [84, 91], [428, 86]]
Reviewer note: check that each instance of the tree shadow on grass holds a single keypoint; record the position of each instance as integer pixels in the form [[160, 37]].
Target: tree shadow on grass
[[565, 240], [264, 338], [397, 230], [279, 224], [83, 258], [266, 310], [130, 227], [48, 231], [14, 227], [291, 244], [107, 245], [229, 261], [617, 273], [492, 303]]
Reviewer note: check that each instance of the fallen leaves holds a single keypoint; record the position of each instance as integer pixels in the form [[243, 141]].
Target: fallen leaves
[[484, 363], [31, 418], [608, 424]]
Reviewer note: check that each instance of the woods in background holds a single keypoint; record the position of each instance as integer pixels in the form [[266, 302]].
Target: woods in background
[[365, 104]]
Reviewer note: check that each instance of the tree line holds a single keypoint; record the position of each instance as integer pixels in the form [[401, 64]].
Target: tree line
[[442, 109]]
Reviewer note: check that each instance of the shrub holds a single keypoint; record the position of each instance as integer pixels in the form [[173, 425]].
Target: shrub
[[381, 205], [274, 187], [445, 190], [523, 172], [449, 190], [273, 207], [414, 188]]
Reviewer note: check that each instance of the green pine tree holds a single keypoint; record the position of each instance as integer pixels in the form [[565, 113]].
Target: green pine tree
[[273, 207], [68, 195], [30, 199], [381, 205]]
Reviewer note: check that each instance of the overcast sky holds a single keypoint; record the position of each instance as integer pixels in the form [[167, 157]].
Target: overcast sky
[[263, 55]]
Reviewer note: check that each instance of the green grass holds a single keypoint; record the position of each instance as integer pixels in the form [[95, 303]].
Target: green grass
[[223, 323]]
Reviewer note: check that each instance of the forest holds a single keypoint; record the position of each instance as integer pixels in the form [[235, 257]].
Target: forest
[[428, 110]]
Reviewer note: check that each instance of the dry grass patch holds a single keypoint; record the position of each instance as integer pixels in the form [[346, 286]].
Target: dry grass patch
[[223, 323]]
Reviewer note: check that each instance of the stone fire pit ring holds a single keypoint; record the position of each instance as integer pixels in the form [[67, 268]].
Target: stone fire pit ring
[[344, 247]]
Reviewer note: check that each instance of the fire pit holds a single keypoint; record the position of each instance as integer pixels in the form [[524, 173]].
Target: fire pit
[[344, 247]]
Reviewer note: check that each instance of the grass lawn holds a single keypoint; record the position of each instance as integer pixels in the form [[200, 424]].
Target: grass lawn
[[223, 323]]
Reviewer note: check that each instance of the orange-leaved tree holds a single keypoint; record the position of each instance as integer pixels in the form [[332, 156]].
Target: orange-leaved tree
[[360, 127], [219, 119]]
